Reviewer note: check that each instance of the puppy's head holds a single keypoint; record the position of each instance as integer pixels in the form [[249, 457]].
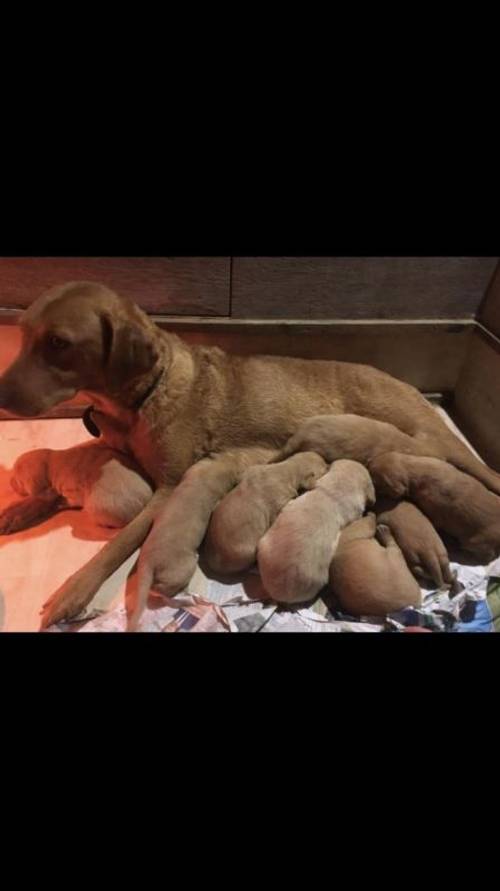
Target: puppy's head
[[390, 475], [309, 467], [30, 473], [80, 336]]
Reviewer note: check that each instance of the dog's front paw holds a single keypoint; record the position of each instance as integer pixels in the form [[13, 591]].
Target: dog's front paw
[[66, 603]]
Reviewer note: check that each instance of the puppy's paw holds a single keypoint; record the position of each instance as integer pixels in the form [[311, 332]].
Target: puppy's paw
[[29, 512], [12, 519]]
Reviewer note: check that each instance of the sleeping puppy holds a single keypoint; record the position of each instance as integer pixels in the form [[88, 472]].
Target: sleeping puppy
[[245, 514], [421, 545], [105, 483], [455, 502], [368, 578], [295, 555], [351, 436]]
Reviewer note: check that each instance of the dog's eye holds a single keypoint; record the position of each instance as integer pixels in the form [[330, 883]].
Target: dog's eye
[[58, 343]]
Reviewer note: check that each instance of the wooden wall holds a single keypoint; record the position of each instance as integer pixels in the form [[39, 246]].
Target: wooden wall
[[477, 396], [269, 287], [194, 286], [489, 310], [359, 287]]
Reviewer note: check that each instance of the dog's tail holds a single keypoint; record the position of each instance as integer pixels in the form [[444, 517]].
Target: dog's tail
[[83, 585]]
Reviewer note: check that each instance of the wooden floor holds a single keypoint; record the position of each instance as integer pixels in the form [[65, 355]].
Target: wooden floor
[[34, 563]]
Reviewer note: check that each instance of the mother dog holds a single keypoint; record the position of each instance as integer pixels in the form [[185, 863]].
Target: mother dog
[[170, 405]]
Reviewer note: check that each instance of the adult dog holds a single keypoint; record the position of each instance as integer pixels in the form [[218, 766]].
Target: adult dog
[[170, 405]]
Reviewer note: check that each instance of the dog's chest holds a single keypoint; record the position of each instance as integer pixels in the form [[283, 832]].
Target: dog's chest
[[164, 451]]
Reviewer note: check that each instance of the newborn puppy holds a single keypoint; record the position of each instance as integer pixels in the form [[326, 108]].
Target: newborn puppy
[[351, 436], [422, 547], [92, 476], [455, 502], [368, 578], [245, 514], [295, 555]]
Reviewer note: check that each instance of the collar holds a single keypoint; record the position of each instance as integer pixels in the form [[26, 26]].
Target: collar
[[138, 404], [91, 425]]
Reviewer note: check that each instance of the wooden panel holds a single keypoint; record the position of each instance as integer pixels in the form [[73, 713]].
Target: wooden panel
[[477, 398], [489, 311], [178, 285], [359, 287]]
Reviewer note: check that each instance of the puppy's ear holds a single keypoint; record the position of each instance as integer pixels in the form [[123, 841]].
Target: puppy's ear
[[127, 349], [310, 480]]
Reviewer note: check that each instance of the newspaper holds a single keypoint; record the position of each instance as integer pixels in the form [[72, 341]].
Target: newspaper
[[227, 608]]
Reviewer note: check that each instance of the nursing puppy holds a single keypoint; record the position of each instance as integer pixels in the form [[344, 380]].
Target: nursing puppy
[[421, 545], [169, 556], [245, 514], [351, 436], [369, 578], [455, 502], [294, 556], [92, 476]]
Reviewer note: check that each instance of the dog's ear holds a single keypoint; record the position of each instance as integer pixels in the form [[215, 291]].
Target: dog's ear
[[127, 350]]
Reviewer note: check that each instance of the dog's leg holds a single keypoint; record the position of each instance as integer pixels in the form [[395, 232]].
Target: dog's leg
[[33, 509], [201, 489], [81, 587]]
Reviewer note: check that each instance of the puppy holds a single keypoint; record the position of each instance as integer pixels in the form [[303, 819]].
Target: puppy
[[368, 578], [421, 545], [169, 556], [104, 482], [245, 514], [351, 436], [455, 502], [295, 555]]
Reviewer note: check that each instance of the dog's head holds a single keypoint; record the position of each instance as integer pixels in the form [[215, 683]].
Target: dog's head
[[80, 336]]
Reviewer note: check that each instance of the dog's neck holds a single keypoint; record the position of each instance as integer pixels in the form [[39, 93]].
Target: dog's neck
[[124, 407]]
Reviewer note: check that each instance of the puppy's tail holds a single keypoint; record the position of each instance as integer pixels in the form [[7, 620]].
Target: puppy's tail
[[82, 586]]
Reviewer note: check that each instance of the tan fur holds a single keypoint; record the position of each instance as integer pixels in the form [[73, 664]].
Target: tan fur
[[421, 545], [106, 483], [246, 513], [203, 401], [295, 555], [368, 578], [169, 556], [351, 436], [453, 501]]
